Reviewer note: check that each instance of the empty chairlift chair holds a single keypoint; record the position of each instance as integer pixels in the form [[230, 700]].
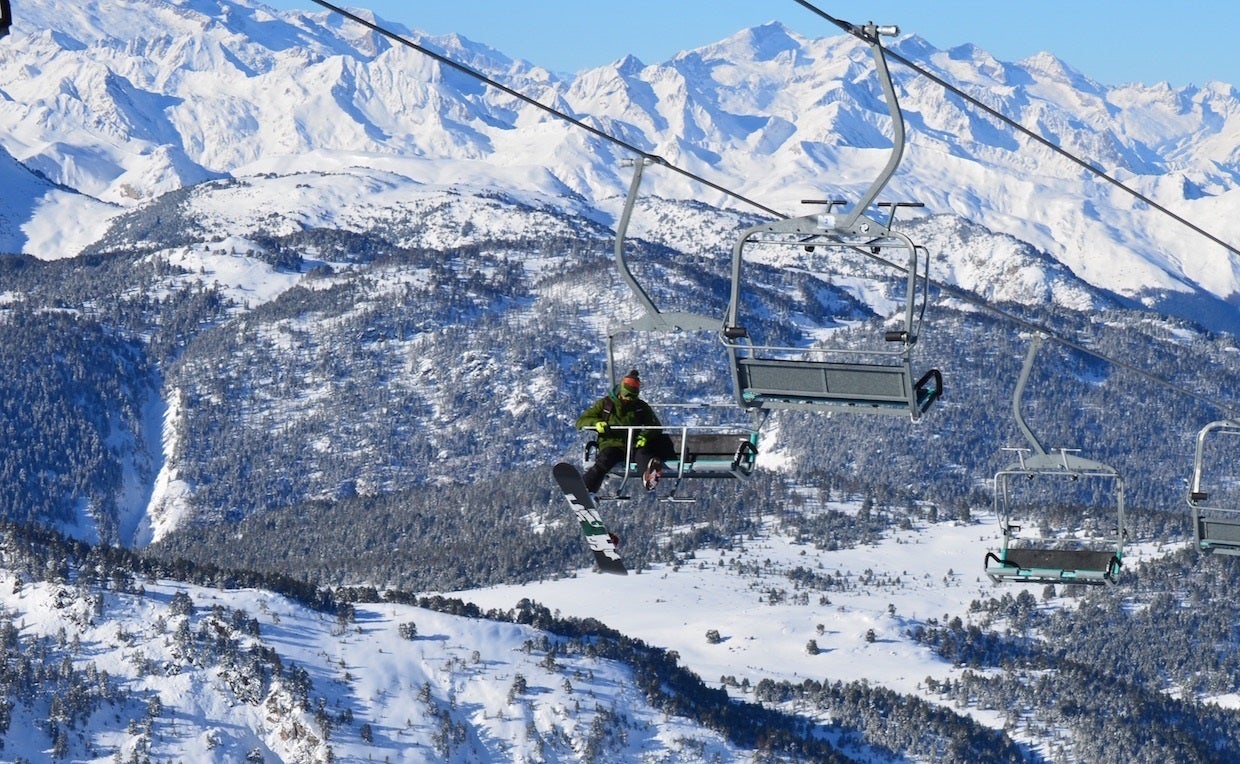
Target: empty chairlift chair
[[870, 380], [1216, 513], [1078, 504], [874, 380], [1090, 547]]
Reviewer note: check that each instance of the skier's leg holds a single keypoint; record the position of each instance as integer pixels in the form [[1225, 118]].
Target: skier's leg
[[604, 460], [651, 465]]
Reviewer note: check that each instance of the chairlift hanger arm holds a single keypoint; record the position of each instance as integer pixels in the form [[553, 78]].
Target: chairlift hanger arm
[[653, 319], [852, 221], [1019, 394], [872, 34], [622, 229], [1228, 426]]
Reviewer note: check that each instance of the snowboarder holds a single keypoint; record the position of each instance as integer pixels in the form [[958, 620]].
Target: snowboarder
[[623, 407]]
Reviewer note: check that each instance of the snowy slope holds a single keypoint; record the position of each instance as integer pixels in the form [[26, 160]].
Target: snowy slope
[[906, 580], [203, 674], [375, 688]]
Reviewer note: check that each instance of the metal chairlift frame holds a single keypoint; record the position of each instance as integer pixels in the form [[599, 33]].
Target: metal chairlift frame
[[6, 17], [1216, 527], [1045, 563], [782, 377], [710, 451]]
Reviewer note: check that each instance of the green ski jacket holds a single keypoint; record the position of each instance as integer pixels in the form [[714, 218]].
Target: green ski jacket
[[632, 413]]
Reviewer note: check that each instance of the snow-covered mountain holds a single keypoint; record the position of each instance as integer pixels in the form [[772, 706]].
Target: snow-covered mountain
[[222, 153], [331, 299], [123, 102], [150, 669], [764, 648]]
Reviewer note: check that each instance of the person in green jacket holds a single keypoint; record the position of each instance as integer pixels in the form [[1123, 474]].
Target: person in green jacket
[[623, 407]]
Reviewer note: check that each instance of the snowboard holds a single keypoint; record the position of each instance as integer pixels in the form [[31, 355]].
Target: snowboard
[[601, 542]]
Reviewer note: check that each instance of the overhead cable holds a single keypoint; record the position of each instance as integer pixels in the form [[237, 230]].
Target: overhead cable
[[859, 32]]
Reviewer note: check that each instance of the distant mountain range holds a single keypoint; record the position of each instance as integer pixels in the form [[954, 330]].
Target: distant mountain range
[[110, 105]]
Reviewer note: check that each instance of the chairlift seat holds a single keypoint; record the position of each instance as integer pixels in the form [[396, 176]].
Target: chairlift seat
[[787, 383], [709, 454], [701, 455], [1218, 533], [713, 455], [1052, 566]]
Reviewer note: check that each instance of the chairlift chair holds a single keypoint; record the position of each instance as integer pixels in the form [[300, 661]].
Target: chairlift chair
[[1093, 555], [6, 17], [702, 450], [878, 381], [1091, 558], [1216, 515]]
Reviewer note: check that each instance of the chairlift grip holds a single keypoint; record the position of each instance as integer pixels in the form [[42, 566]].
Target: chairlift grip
[[886, 30]]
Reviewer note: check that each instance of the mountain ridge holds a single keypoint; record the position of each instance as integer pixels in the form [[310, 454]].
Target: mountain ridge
[[762, 111]]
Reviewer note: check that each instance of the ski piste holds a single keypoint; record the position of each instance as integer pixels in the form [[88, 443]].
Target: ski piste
[[606, 555]]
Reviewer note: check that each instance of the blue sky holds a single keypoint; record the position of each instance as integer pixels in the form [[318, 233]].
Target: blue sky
[[1112, 42]]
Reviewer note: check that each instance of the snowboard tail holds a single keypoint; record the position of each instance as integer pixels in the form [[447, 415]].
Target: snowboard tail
[[601, 542]]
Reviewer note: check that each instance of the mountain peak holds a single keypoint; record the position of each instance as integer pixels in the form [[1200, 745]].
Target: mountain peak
[[629, 66], [770, 40], [1048, 66]]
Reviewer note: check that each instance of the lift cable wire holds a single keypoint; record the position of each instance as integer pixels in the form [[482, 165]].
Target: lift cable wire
[[446, 61], [860, 33], [956, 292]]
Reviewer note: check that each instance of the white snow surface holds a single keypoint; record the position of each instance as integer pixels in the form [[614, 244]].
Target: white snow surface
[[912, 576], [462, 667], [463, 670]]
